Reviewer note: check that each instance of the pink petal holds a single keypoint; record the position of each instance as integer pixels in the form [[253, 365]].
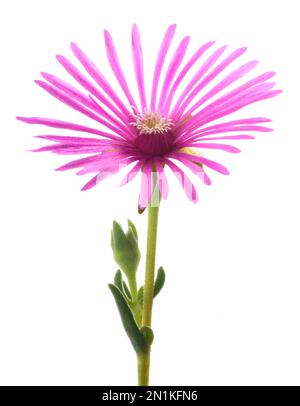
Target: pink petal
[[234, 94], [162, 180], [131, 174], [50, 122], [71, 149], [184, 72], [125, 131], [210, 164], [96, 179], [75, 140], [159, 63], [231, 78], [257, 128], [116, 67], [239, 103], [185, 182], [77, 106], [78, 163], [105, 166], [146, 186], [87, 101], [197, 170], [65, 86], [113, 162], [227, 137], [172, 69], [254, 120], [84, 82], [222, 147], [90, 184], [198, 136], [216, 71], [138, 63], [95, 73], [195, 79], [223, 127]]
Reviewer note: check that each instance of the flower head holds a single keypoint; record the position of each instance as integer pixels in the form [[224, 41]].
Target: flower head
[[169, 128]]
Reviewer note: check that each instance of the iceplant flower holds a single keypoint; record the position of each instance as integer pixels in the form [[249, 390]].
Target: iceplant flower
[[172, 128], [160, 129]]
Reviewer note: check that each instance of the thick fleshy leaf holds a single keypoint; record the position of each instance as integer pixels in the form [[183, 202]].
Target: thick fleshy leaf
[[159, 281], [119, 283], [158, 285], [118, 280], [126, 291], [148, 334], [137, 338], [133, 228]]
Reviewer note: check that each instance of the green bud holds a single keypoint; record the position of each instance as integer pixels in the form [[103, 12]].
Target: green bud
[[125, 248]]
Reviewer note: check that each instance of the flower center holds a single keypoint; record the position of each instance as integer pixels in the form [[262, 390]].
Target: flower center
[[152, 123], [154, 133]]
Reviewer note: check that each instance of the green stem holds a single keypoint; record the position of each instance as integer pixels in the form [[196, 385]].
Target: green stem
[[143, 369], [150, 264], [144, 359]]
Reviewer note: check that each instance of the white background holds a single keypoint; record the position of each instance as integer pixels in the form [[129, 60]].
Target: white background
[[229, 313]]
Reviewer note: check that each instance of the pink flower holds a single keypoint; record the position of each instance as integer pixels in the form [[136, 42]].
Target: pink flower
[[161, 131]]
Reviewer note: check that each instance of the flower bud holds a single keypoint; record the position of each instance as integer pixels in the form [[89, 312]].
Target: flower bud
[[125, 248]]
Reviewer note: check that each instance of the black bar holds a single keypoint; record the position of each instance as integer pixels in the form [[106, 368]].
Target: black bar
[[131, 394]]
